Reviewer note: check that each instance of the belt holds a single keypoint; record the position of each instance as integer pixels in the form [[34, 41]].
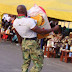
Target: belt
[[35, 38]]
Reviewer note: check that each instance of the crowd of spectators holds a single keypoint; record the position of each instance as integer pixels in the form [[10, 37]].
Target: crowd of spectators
[[61, 37], [7, 32]]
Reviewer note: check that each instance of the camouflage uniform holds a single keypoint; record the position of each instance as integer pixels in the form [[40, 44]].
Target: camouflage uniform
[[32, 51]]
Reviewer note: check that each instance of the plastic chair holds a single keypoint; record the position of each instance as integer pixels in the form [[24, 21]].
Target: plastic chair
[[65, 56], [50, 53]]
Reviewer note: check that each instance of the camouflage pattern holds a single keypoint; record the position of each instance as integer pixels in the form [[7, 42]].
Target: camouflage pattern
[[32, 51]]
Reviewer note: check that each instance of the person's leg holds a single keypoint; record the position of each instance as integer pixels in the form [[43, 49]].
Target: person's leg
[[41, 44], [26, 56], [37, 57], [27, 60]]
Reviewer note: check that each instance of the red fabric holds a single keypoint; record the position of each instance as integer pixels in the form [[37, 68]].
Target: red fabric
[[42, 9], [21, 15], [4, 36]]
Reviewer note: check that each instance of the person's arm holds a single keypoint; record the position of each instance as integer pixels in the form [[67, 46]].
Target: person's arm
[[44, 31], [19, 37]]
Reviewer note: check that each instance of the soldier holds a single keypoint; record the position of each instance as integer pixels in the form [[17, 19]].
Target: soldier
[[27, 29]]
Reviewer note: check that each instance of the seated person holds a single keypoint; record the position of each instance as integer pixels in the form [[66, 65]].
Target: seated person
[[56, 38], [70, 54], [65, 32]]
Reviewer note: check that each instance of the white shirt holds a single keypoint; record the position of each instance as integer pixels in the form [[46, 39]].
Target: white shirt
[[5, 16], [23, 26], [8, 18]]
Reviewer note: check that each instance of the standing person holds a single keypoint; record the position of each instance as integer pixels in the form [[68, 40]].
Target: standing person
[[27, 29]]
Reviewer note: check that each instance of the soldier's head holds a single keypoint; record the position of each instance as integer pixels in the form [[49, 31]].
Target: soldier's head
[[21, 9]]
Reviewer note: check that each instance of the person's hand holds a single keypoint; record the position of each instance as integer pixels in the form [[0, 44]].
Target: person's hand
[[56, 28]]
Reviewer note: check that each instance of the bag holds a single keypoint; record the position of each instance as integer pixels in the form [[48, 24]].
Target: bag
[[39, 14]]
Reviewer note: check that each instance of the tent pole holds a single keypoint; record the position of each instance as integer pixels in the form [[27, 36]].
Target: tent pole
[[68, 24], [0, 31], [0, 27], [64, 23]]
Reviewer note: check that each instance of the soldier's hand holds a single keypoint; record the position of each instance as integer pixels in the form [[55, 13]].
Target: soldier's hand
[[56, 28]]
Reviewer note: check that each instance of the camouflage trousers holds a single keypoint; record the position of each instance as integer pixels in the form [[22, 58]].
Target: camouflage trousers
[[32, 51]]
